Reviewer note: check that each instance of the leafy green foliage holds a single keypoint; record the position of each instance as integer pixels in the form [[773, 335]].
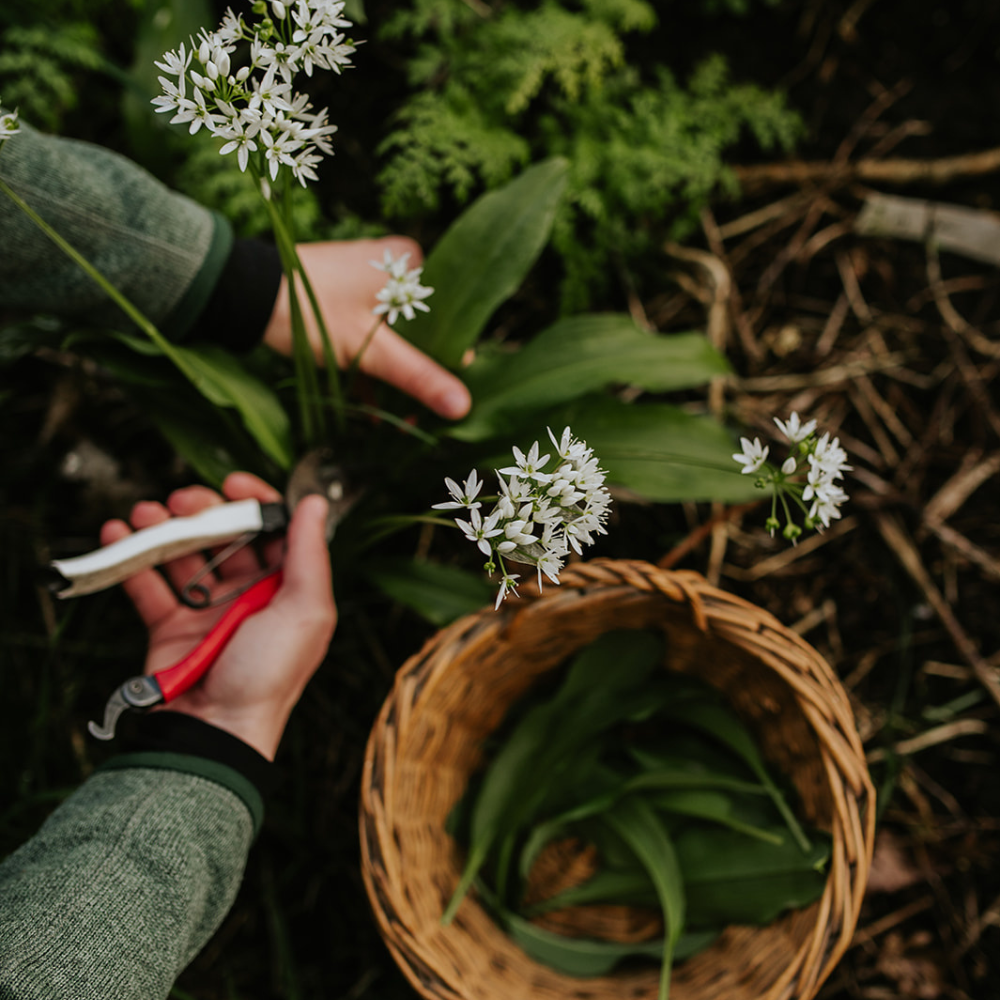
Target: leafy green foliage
[[483, 259], [39, 68], [438, 593], [577, 356], [494, 88]]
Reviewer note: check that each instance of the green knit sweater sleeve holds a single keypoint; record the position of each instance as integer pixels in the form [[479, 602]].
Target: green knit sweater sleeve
[[121, 887], [163, 251]]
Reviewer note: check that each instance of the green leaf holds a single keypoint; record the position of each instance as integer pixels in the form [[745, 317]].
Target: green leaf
[[581, 956], [218, 375], [483, 258], [722, 724], [438, 593], [713, 806], [671, 779], [730, 879], [542, 746], [581, 355], [659, 451], [643, 831], [187, 436], [221, 378], [574, 956]]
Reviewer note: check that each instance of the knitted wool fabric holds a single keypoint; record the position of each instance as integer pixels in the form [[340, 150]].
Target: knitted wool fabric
[[121, 887], [161, 250]]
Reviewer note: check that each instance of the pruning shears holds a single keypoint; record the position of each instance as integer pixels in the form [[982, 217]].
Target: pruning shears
[[236, 523]]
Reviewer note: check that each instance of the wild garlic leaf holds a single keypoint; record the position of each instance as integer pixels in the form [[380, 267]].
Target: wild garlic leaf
[[643, 831], [722, 724], [712, 806], [730, 879], [531, 761]]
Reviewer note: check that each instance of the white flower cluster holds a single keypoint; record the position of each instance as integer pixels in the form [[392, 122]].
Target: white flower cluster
[[403, 292], [822, 460], [8, 126], [254, 107], [540, 516]]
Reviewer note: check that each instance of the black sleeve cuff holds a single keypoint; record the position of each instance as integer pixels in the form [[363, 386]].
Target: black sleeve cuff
[[240, 306], [175, 732]]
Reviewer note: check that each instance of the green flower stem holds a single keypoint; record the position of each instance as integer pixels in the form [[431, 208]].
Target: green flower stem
[[310, 409], [390, 418], [144, 324], [329, 359], [292, 264], [352, 372]]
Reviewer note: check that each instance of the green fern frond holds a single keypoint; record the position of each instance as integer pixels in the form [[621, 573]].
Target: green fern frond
[[445, 142]]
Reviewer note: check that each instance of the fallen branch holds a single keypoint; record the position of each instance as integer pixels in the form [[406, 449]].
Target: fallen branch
[[892, 171]]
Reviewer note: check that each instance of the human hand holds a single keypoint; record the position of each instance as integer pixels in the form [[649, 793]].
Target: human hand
[[252, 688], [346, 285]]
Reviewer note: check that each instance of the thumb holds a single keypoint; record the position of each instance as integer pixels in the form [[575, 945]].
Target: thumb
[[306, 567]]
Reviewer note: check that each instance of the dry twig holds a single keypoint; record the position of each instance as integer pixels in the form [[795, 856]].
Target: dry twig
[[909, 558]]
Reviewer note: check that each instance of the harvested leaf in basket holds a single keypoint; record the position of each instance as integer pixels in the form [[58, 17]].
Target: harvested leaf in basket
[[719, 722], [626, 762], [712, 806], [517, 781], [730, 879], [642, 830]]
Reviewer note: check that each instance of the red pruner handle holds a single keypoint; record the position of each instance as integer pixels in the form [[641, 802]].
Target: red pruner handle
[[177, 679]]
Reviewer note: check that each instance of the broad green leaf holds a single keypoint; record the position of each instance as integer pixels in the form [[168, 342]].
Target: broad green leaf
[[574, 956], [223, 380], [577, 356], [643, 831], [580, 956], [541, 747], [483, 258], [713, 806], [722, 724], [730, 879], [659, 451], [615, 661], [215, 373], [712, 854], [438, 593], [187, 436], [680, 780]]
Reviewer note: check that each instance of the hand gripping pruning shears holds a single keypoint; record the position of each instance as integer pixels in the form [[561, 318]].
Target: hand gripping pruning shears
[[236, 523]]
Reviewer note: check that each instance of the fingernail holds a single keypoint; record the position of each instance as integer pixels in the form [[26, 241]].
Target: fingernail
[[455, 403]]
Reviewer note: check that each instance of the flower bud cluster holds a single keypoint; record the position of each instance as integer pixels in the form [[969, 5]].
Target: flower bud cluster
[[402, 292], [820, 460], [253, 108], [539, 516]]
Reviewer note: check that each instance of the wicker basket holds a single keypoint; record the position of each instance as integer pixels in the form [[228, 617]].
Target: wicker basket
[[427, 742]]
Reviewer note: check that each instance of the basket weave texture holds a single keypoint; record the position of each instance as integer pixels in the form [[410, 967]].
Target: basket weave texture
[[427, 742]]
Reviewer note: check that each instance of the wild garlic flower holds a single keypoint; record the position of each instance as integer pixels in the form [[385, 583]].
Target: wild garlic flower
[[540, 516], [253, 108], [402, 292], [821, 461], [8, 126]]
